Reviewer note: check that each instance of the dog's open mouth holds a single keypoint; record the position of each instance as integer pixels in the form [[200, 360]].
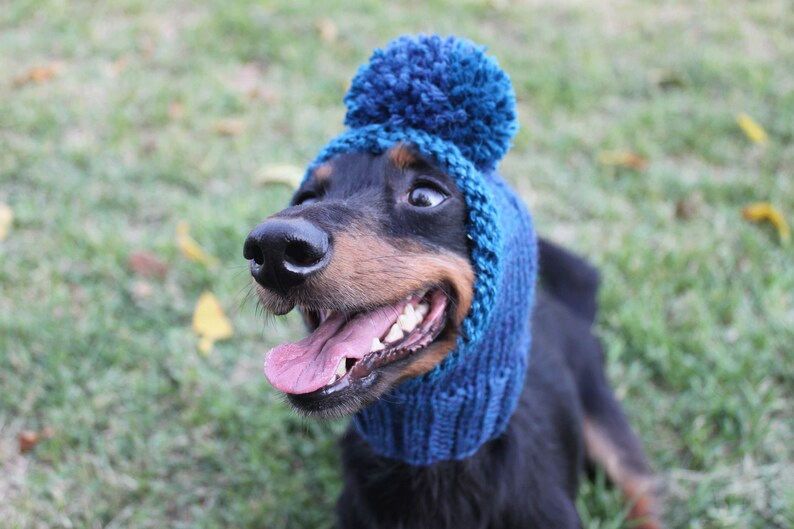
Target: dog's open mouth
[[348, 346]]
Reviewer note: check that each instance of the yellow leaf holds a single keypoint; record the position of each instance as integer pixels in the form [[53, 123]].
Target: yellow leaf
[[205, 345], [190, 248], [764, 211], [210, 323], [752, 129], [281, 173], [623, 159], [6, 219]]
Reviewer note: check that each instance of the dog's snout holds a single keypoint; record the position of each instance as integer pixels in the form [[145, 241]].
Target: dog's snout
[[285, 252]]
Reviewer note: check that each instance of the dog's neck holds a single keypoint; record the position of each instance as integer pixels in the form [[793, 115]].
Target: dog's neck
[[468, 400]]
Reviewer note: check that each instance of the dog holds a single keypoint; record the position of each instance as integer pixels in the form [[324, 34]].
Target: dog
[[378, 253]]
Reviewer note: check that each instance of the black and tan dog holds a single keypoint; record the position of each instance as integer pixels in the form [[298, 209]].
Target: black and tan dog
[[374, 234]]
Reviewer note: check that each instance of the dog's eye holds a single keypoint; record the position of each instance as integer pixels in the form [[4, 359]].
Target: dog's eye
[[306, 198], [425, 196]]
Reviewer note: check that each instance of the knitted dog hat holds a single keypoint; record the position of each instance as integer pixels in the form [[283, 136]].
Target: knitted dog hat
[[456, 107]]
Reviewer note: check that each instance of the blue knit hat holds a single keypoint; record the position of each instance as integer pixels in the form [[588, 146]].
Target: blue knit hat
[[456, 107]]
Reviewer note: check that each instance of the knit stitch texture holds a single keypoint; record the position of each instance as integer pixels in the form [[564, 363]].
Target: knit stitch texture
[[456, 107]]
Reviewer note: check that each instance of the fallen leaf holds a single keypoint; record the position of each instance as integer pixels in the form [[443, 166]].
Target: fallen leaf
[[27, 441], [190, 248], [752, 129], [146, 264], [119, 65], [40, 74], [146, 46], [280, 173], [229, 127], [6, 220], [666, 79], [142, 290], [176, 110], [327, 29], [210, 323], [623, 159], [764, 211], [268, 94], [247, 78], [688, 207]]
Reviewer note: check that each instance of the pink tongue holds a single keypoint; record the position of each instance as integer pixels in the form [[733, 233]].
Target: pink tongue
[[308, 365]]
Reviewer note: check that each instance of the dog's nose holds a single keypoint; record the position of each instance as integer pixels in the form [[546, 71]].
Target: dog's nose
[[284, 252]]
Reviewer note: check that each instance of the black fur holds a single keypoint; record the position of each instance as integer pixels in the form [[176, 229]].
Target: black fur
[[529, 476], [526, 478]]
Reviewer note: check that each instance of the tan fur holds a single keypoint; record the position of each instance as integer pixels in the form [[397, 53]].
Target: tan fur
[[637, 489], [368, 271], [437, 352], [402, 156], [323, 173]]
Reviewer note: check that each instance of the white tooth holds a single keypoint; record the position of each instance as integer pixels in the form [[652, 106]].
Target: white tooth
[[421, 310], [407, 322], [340, 369], [394, 334], [333, 379], [377, 345]]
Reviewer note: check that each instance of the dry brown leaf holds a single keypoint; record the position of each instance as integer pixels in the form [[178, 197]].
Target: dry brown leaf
[[119, 65], [752, 129], [247, 78], [665, 79], [327, 29], [688, 207], [27, 441], [229, 127], [623, 159], [190, 248], [176, 110], [146, 46], [6, 220], [40, 74], [147, 264], [268, 94], [210, 322], [764, 211]]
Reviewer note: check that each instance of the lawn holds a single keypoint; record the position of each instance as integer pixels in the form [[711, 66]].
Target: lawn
[[121, 119]]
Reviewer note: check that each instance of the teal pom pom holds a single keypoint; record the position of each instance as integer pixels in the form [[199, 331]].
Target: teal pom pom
[[446, 87]]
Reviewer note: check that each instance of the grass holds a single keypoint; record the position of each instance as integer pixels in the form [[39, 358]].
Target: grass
[[103, 159]]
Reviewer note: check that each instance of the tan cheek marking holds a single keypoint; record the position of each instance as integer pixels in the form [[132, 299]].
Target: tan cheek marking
[[434, 356], [366, 270], [402, 156], [323, 173]]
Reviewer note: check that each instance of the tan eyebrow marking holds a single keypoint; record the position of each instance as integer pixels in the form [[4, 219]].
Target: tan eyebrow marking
[[323, 172], [402, 156]]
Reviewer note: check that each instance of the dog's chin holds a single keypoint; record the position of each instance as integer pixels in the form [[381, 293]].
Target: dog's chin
[[408, 338]]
